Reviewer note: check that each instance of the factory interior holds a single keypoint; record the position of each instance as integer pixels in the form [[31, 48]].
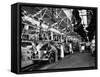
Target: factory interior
[[55, 34]]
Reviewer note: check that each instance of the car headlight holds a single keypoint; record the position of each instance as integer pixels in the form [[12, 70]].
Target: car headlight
[[45, 52], [35, 52]]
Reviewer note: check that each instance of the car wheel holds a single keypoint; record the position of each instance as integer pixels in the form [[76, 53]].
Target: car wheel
[[52, 58], [35, 62]]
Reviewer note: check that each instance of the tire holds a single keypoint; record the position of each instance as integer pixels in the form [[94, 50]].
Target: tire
[[35, 62], [52, 58]]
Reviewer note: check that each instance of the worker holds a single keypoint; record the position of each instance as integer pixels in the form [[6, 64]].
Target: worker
[[82, 48], [93, 46]]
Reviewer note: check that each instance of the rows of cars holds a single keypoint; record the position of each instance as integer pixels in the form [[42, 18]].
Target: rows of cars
[[48, 51]]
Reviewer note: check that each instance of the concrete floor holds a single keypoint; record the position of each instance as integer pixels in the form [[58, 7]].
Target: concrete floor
[[73, 61]]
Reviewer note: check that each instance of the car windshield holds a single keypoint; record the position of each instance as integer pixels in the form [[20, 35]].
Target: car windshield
[[44, 46]]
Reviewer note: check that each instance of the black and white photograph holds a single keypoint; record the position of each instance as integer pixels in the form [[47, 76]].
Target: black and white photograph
[[56, 38], [53, 38]]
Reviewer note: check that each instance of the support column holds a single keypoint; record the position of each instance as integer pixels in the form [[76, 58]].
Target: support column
[[39, 53], [62, 49], [70, 48], [51, 35]]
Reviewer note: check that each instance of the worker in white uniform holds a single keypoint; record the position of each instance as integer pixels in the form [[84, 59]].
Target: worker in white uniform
[[82, 48]]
